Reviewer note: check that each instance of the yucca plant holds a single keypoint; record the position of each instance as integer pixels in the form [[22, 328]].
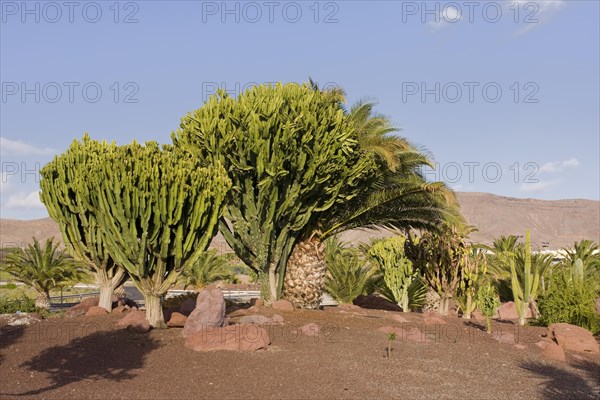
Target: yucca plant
[[208, 269], [348, 275], [43, 268]]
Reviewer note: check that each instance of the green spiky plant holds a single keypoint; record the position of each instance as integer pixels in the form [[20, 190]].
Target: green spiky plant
[[209, 268], [488, 303], [64, 192], [524, 286], [158, 211], [440, 257], [291, 154], [399, 276], [43, 267], [474, 268], [348, 275], [571, 297]]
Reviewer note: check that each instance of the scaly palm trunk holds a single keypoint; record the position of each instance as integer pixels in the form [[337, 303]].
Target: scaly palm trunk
[[305, 274], [43, 300]]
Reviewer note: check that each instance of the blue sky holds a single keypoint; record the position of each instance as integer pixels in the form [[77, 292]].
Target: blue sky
[[504, 95]]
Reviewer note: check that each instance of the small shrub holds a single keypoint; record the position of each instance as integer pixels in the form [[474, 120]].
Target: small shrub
[[24, 304], [570, 299]]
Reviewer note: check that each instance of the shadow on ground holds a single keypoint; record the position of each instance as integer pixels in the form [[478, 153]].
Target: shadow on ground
[[8, 336], [562, 384], [111, 356]]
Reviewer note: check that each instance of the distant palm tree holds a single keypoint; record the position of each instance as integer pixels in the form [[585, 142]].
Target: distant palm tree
[[208, 269], [43, 268]]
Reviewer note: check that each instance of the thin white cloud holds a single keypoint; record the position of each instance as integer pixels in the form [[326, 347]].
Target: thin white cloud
[[25, 201], [18, 147], [4, 183], [559, 166], [533, 14]]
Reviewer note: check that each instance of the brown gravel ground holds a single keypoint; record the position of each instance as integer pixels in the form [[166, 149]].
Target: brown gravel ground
[[88, 358]]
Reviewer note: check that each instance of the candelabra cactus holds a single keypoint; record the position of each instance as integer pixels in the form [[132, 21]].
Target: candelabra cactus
[[525, 291], [398, 271], [290, 152], [65, 193], [158, 211], [474, 267]]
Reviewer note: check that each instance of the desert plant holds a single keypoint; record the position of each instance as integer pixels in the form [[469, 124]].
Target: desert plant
[[390, 338], [43, 268], [439, 258], [348, 275], [290, 152], [399, 276], [474, 268], [64, 191], [207, 269], [488, 303], [525, 285], [570, 298], [158, 211]]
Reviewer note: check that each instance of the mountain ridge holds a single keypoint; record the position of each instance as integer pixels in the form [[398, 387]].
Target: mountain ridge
[[558, 222]]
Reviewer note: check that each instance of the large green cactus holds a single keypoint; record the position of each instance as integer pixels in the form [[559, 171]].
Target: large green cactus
[[525, 290], [291, 152], [158, 212], [66, 195], [398, 271]]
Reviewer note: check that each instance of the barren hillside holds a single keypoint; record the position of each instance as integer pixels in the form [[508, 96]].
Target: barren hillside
[[559, 222]]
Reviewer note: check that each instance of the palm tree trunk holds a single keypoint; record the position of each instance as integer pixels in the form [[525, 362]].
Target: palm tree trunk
[[43, 300], [305, 274]]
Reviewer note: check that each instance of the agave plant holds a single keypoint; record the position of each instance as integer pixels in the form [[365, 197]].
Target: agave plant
[[43, 268], [348, 275]]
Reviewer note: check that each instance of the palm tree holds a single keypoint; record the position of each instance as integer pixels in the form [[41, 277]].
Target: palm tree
[[43, 268], [587, 251], [208, 269], [398, 197]]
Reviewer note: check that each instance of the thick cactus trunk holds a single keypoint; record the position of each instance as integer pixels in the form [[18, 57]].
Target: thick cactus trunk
[[305, 274], [444, 305], [107, 286], [43, 300], [154, 312]]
